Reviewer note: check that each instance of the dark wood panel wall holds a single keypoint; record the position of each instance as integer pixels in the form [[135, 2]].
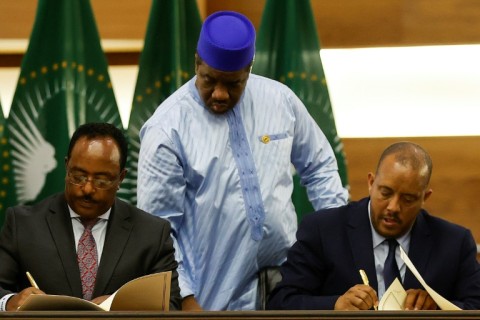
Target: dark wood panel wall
[[341, 23], [365, 23]]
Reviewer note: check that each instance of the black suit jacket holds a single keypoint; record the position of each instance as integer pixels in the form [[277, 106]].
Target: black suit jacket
[[40, 239], [333, 244]]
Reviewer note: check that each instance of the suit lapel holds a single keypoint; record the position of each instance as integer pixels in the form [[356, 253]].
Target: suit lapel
[[118, 232], [60, 225], [421, 244], [362, 245]]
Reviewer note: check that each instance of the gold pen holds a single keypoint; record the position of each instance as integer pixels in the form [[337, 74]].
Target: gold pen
[[363, 274], [32, 281]]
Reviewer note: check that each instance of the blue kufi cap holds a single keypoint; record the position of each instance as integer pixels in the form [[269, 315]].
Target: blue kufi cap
[[227, 41]]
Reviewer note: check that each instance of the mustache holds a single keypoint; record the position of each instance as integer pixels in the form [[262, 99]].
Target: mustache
[[391, 216], [87, 198]]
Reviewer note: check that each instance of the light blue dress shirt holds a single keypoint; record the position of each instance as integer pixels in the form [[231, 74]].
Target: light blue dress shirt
[[225, 184], [380, 251]]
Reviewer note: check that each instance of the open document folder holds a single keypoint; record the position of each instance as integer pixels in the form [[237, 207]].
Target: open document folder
[[147, 293], [395, 295]]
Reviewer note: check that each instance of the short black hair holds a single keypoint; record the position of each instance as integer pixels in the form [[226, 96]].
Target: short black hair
[[409, 153], [101, 129]]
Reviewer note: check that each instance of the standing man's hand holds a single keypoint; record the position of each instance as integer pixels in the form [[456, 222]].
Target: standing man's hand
[[19, 299], [189, 303], [359, 297], [99, 300], [418, 299]]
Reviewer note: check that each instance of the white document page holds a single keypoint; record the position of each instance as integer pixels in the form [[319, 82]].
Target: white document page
[[394, 297], [442, 303]]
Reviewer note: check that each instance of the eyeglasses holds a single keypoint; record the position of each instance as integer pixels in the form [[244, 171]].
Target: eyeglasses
[[81, 180]]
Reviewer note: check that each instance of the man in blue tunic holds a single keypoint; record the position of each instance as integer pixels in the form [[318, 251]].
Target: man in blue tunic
[[216, 161]]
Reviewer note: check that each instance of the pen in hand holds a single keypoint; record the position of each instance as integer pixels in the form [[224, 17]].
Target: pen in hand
[[32, 281], [363, 274]]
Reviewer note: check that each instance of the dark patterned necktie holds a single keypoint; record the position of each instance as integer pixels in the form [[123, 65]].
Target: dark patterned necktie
[[390, 268], [87, 258]]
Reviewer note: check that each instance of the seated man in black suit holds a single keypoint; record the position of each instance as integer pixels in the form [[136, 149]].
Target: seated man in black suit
[[54, 239], [322, 268]]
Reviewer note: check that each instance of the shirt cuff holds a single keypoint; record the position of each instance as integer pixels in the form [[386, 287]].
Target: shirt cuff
[[185, 292], [4, 300]]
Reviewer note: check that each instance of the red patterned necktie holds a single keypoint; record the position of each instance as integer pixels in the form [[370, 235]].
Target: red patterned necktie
[[87, 258]]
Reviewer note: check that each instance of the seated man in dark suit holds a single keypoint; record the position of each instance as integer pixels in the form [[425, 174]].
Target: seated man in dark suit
[[84, 242], [322, 268]]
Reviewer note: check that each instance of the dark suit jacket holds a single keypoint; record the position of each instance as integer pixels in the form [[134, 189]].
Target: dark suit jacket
[[40, 239], [333, 244]]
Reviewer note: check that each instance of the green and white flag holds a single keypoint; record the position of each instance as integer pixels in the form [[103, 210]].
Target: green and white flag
[[7, 183], [167, 62], [288, 50], [63, 83]]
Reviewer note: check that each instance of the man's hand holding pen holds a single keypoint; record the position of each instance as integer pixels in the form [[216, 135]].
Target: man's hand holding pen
[[363, 274], [358, 297], [19, 299]]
